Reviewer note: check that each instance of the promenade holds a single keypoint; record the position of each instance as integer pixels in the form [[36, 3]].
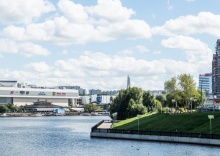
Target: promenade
[[105, 125]]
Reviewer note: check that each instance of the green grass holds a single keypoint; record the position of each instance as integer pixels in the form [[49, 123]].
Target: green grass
[[195, 122]]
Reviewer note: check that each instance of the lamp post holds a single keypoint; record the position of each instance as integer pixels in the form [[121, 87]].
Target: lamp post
[[191, 99], [213, 100], [195, 103], [174, 101], [138, 116], [210, 118]]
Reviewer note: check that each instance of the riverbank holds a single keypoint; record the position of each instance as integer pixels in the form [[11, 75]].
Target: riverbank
[[188, 122], [103, 130], [23, 114]]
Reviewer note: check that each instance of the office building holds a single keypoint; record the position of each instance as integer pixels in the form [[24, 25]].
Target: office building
[[27, 96], [205, 83], [216, 70]]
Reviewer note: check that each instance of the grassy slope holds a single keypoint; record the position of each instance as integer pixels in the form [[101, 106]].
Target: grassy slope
[[195, 122]]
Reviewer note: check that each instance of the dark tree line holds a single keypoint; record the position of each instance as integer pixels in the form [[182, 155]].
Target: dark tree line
[[133, 101]]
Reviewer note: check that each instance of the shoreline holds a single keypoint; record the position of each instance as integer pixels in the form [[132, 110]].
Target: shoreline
[[34, 114], [103, 130], [167, 139]]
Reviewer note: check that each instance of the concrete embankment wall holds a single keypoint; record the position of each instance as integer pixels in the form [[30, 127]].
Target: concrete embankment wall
[[200, 141]]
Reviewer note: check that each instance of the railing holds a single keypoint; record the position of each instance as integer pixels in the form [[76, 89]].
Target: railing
[[156, 133]]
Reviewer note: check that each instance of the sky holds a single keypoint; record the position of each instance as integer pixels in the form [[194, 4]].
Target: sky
[[96, 44]]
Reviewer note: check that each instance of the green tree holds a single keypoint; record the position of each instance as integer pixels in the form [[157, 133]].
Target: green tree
[[121, 102], [134, 109], [158, 105], [148, 101], [171, 85], [161, 98], [187, 86], [3, 109], [90, 108], [183, 90]]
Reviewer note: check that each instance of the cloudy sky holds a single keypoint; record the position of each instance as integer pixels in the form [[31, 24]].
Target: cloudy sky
[[97, 43]]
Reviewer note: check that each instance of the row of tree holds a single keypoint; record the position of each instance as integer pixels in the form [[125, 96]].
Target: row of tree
[[10, 107], [181, 92]]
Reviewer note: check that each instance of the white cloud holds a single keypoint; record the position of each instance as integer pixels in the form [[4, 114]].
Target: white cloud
[[78, 24], [28, 49], [72, 11], [41, 67], [204, 22], [99, 70], [196, 50], [142, 49], [111, 10], [1, 56], [23, 11]]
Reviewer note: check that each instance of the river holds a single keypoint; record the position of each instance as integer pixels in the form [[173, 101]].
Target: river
[[70, 136]]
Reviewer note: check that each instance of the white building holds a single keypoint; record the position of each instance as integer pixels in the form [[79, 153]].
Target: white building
[[8, 83], [99, 99], [157, 92], [26, 96]]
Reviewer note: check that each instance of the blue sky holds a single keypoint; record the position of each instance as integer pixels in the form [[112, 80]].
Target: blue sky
[[97, 43]]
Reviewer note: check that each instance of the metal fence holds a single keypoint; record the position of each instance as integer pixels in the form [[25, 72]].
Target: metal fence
[[152, 132]]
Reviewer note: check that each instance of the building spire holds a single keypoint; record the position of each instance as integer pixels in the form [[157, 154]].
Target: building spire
[[128, 82]]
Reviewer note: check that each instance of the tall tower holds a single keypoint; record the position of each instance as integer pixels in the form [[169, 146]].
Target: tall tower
[[128, 82], [216, 70]]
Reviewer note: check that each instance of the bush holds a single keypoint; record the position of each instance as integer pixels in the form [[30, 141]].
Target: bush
[[3, 109]]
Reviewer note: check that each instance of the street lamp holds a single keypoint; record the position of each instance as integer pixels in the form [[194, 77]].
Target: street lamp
[[174, 101], [210, 118], [138, 120], [195, 103], [191, 99], [213, 100]]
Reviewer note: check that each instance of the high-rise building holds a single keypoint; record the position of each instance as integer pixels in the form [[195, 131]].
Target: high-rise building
[[128, 82], [216, 70], [205, 82]]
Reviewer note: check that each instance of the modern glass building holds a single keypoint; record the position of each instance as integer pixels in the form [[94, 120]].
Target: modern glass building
[[205, 82], [216, 70]]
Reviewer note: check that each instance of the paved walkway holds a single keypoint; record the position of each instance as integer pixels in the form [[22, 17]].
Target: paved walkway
[[105, 125]]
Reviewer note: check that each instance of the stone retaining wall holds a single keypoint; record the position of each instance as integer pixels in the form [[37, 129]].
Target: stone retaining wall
[[201, 141]]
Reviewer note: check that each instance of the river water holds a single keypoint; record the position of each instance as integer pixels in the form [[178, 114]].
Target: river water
[[70, 136]]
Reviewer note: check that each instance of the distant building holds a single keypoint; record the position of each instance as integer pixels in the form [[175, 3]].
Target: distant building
[[80, 90], [6, 83], [100, 92], [26, 96], [128, 82], [95, 91], [156, 92], [113, 92], [41, 106], [216, 70], [97, 99], [205, 82]]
